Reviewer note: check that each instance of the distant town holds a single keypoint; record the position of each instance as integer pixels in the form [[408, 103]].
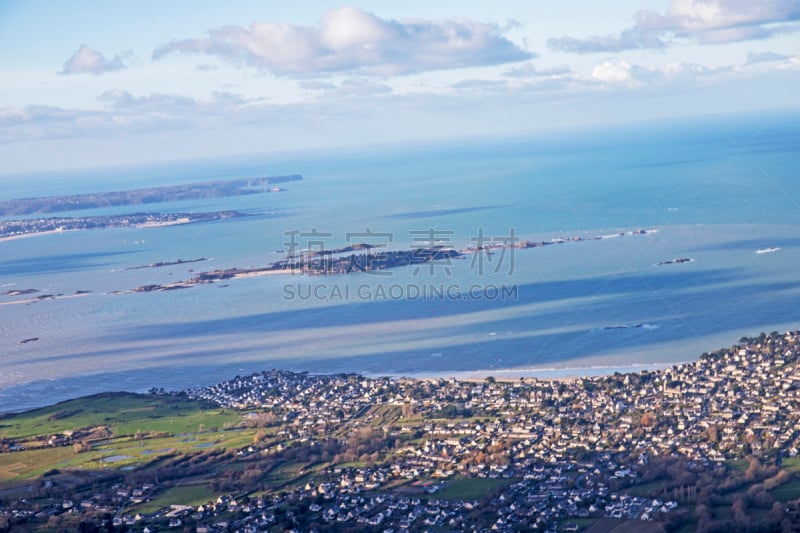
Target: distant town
[[709, 446]]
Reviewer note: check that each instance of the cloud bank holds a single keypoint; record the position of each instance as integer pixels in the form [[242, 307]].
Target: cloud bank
[[88, 61], [704, 21], [351, 40]]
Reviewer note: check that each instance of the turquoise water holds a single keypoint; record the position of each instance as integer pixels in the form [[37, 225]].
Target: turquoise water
[[715, 191]]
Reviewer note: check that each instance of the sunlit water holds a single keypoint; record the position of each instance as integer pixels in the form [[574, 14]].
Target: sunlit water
[[716, 192]]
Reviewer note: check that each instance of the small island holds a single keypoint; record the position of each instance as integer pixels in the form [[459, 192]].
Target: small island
[[161, 264], [20, 292], [319, 263], [676, 261], [345, 261]]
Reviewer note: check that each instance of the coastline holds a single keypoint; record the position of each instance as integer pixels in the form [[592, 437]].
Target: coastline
[[33, 391], [552, 373], [146, 225], [37, 234]]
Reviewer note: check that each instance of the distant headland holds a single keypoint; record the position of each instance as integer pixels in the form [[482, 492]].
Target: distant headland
[[173, 193], [13, 229]]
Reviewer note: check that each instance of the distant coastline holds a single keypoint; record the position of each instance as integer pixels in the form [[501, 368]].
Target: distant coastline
[[17, 229], [175, 193]]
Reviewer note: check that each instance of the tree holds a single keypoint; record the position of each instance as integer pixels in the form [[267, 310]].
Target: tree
[[702, 512], [648, 419], [739, 509], [776, 513], [260, 436], [754, 470]]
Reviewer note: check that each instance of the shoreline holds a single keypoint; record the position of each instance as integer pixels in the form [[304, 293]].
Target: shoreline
[[567, 374], [37, 234], [10, 229], [461, 376], [553, 373]]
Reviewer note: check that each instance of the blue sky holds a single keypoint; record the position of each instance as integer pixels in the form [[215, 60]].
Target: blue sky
[[91, 83]]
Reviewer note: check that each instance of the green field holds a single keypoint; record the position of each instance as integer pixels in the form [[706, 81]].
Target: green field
[[788, 491], [792, 464], [582, 523], [126, 412], [653, 489], [166, 424], [740, 464], [615, 525], [461, 488], [193, 495]]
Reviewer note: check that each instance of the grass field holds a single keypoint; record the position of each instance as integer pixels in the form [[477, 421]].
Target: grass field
[[174, 424], [617, 525], [792, 464], [652, 489], [193, 495], [788, 491], [740, 464], [125, 413], [461, 488], [582, 523]]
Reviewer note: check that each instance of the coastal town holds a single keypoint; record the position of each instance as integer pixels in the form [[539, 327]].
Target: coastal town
[[668, 449]]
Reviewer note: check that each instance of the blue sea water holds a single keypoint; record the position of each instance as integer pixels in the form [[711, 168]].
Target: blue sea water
[[716, 191]]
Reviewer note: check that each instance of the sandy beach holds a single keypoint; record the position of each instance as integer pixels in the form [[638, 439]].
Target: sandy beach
[[177, 222], [37, 234]]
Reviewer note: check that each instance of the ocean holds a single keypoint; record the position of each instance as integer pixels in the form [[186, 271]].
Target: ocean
[[722, 192]]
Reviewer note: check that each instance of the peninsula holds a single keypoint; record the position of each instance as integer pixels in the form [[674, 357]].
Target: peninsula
[[174, 193], [10, 229]]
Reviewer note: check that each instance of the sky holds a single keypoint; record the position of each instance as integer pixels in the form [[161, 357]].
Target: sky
[[96, 83]]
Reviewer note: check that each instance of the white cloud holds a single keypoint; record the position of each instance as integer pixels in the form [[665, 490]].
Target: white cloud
[[350, 40], [338, 103], [528, 70], [124, 113], [88, 61], [790, 63], [622, 73], [689, 71], [705, 21]]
